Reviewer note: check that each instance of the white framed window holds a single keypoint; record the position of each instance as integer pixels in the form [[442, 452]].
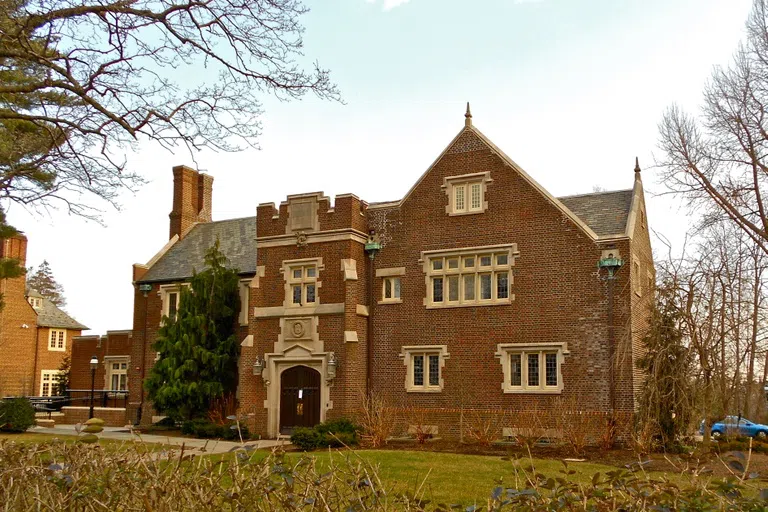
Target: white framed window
[[117, 375], [36, 302], [424, 367], [245, 293], [390, 289], [57, 340], [303, 285], [49, 382], [466, 193], [469, 277], [171, 298], [532, 368]]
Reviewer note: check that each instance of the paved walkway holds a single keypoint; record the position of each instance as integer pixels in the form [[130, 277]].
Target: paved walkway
[[192, 444]]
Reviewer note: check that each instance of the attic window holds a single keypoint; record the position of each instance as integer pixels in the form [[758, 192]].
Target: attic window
[[466, 193], [36, 302]]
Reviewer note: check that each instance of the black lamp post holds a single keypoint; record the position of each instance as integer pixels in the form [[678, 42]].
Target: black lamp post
[[94, 365]]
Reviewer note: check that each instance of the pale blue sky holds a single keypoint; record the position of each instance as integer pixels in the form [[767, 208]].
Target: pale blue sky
[[572, 90]]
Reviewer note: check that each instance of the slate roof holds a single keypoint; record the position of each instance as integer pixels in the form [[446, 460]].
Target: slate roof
[[237, 240], [605, 212], [49, 315]]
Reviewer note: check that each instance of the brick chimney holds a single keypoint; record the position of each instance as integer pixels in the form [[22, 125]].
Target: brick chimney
[[192, 195], [15, 247]]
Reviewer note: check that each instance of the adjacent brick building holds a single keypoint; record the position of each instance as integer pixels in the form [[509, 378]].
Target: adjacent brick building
[[35, 334], [478, 290]]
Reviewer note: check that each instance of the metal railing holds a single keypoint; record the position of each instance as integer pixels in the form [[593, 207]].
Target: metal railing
[[78, 397], [101, 398]]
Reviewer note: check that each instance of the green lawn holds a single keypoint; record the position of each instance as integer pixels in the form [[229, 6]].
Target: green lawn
[[455, 478], [107, 444]]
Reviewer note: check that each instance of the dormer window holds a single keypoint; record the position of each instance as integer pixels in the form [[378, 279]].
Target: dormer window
[[466, 194], [36, 302]]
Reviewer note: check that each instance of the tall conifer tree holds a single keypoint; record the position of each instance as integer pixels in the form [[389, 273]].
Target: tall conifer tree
[[42, 281], [198, 348]]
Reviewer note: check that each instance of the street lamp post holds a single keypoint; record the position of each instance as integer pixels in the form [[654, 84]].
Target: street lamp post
[[94, 365]]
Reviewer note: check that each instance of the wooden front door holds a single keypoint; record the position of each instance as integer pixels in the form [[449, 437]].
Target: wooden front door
[[299, 398]]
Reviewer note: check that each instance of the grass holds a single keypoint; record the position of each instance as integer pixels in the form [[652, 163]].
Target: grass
[[450, 478], [110, 445]]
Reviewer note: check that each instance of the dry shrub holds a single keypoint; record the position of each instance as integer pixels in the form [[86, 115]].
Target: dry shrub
[[485, 427], [376, 419], [528, 427], [417, 424], [644, 437], [221, 408], [576, 425]]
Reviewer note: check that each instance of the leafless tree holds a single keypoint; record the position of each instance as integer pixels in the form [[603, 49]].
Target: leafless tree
[[94, 77], [717, 161]]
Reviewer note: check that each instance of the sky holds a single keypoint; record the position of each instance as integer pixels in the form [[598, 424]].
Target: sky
[[572, 90]]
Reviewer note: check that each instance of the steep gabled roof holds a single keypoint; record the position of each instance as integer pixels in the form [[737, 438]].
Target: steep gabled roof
[[605, 212], [599, 215], [237, 240], [49, 315]]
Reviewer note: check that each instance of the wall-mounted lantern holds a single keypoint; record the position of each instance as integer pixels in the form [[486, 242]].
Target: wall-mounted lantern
[[611, 263], [332, 364], [258, 366]]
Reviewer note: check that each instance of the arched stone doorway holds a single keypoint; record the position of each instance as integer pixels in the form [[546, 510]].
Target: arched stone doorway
[[300, 397]]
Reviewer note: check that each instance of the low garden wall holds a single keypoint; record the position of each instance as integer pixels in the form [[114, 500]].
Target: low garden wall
[[112, 416]]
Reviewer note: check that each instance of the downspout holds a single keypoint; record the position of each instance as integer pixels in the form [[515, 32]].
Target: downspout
[[369, 333], [372, 247]]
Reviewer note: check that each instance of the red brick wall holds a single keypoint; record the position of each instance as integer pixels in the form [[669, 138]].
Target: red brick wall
[[51, 359], [113, 417], [18, 333], [114, 343], [558, 293]]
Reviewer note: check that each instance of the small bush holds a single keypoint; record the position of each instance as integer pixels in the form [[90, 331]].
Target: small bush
[[305, 438], [16, 415], [205, 429], [334, 433]]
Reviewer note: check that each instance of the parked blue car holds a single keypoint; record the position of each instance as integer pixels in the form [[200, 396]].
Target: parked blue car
[[734, 425]]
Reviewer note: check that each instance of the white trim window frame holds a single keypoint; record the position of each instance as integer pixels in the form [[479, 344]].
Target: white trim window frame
[[302, 282], [117, 374], [36, 302], [170, 295], [478, 276], [48, 382], [638, 281], [245, 294], [533, 369], [424, 367], [467, 193], [57, 340], [391, 288]]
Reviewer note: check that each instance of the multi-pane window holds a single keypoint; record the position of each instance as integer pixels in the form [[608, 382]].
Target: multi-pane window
[[426, 370], [533, 370], [391, 289], [468, 197], [467, 279], [36, 302], [302, 284], [173, 304], [118, 376], [57, 340], [49, 383], [171, 296], [424, 367]]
